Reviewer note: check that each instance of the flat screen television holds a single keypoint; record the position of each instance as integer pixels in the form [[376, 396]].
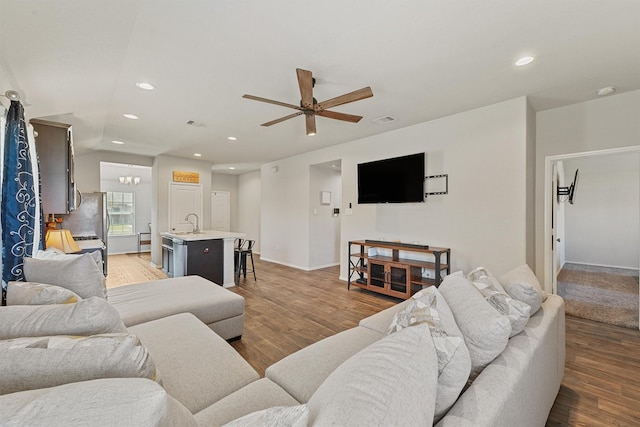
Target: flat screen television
[[396, 180]]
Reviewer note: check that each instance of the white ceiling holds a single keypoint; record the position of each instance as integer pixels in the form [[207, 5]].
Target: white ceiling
[[77, 62]]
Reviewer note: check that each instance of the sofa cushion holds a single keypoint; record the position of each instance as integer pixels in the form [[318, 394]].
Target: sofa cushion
[[454, 363], [516, 311], [198, 367], [87, 317], [39, 362], [277, 416], [143, 302], [80, 274], [258, 395], [485, 331], [522, 284], [32, 293], [294, 372], [519, 388], [113, 402], [391, 382]]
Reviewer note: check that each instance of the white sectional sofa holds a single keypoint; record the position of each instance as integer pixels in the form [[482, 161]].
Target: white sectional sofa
[[356, 377]]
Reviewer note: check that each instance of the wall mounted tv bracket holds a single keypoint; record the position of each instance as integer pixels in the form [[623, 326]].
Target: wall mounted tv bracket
[[441, 177]]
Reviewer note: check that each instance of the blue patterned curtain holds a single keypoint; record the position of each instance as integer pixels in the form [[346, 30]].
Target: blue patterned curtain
[[20, 214]]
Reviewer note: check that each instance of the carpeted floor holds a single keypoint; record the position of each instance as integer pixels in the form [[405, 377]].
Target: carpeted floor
[[131, 268], [603, 294]]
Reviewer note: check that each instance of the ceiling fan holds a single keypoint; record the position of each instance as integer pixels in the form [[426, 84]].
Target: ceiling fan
[[310, 107]]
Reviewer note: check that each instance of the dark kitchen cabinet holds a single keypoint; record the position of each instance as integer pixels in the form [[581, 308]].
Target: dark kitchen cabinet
[[54, 145]]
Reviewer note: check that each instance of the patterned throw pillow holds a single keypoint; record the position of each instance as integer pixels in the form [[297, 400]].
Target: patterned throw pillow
[[39, 362], [32, 293], [421, 310], [429, 307], [516, 311]]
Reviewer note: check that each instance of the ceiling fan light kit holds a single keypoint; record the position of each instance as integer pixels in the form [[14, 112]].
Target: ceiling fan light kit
[[311, 108]]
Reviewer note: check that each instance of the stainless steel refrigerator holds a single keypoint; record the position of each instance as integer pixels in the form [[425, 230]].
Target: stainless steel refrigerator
[[89, 224]]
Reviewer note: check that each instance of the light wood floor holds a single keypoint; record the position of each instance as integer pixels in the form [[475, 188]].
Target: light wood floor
[[288, 309]]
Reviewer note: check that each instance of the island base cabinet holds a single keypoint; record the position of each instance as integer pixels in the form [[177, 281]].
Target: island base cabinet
[[203, 258]]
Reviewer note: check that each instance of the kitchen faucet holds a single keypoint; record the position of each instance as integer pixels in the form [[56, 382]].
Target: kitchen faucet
[[196, 228]]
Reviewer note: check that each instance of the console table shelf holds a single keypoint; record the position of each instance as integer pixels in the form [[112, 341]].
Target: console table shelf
[[393, 275]]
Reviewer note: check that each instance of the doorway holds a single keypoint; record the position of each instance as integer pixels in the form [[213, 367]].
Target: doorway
[[325, 198], [131, 182], [592, 256]]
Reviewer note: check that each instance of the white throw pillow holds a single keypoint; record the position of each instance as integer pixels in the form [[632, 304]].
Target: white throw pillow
[[522, 284], [454, 363], [32, 293], [277, 416], [485, 331], [107, 402], [79, 274], [39, 362], [391, 382], [87, 317], [516, 311]]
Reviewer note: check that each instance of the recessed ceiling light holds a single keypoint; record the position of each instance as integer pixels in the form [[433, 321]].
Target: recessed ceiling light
[[197, 154], [232, 168], [232, 138], [145, 86], [311, 134], [606, 91], [131, 116], [524, 61], [118, 142]]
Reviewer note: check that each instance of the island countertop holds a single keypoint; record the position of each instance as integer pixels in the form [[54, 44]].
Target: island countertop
[[202, 235]]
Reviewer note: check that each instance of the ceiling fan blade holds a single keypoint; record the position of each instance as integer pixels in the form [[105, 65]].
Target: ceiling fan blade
[[311, 124], [356, 95], [339, 116], [282, 119], [305, 81], [271, 101]]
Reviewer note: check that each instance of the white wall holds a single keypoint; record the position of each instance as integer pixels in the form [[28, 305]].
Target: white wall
[[604, 123], [324, 228], [603, 225], [229, 183], [249, 202], [482, 219], [87, 167]]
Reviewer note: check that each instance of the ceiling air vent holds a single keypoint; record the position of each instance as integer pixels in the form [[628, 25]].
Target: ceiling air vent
[[196, 124], [384, 120]]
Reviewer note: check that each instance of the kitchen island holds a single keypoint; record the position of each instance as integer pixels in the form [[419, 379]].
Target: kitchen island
[[206, 253]]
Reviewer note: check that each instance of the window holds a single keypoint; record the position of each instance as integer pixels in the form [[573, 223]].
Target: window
[[121, 210]]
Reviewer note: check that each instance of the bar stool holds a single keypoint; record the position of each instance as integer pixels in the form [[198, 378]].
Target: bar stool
[[245, 248], [237, 245]]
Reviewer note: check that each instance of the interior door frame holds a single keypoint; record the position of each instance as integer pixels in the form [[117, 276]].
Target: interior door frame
[[550, 277]]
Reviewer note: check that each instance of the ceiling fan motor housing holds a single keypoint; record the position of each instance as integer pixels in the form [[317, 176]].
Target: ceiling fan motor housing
[[315, 101]]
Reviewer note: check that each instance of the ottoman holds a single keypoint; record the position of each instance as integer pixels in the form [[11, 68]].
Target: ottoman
[[215, 306]]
